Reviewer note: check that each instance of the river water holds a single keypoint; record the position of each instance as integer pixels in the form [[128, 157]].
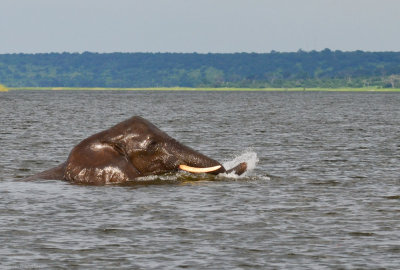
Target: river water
[[323, 191]]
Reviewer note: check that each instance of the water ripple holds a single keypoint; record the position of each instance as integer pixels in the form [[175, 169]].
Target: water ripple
[[322, 194]]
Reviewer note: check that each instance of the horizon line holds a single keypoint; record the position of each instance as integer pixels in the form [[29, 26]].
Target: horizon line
[[201, 53]]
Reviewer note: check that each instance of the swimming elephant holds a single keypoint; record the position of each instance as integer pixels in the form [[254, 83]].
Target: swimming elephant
[[128, 150]]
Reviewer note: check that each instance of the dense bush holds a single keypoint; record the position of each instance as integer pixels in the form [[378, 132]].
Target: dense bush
[[298, 69]]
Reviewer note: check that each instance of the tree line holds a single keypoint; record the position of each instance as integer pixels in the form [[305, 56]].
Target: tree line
[[325, 68]]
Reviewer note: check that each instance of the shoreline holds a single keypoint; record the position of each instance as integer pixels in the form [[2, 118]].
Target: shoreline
[[204, 89]]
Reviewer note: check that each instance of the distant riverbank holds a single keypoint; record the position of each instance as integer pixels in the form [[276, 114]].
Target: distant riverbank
[[326, 69], [206, 89]]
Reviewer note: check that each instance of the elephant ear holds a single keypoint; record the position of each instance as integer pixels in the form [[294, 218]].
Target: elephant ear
[[99, 163]]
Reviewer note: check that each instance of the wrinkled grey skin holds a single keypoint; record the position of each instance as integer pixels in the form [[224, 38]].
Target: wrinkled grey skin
[[128, 150]]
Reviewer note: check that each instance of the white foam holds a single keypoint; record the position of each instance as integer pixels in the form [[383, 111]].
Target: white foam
[[249, 156], [150, 178]]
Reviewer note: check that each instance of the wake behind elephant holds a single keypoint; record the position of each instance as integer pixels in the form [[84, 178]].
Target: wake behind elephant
[[131, 149]]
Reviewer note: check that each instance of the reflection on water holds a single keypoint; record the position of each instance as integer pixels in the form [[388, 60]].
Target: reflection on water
[[323, 191]]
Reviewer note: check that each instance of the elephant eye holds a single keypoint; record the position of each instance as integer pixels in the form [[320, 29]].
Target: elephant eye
[[152, 145]]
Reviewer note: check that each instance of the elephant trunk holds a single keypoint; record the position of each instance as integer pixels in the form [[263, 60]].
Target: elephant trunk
[[193, 161]]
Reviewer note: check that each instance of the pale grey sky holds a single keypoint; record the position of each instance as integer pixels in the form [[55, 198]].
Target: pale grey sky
[[202, 26]]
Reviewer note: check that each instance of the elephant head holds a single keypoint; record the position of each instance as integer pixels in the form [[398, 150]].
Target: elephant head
[[131, 149]]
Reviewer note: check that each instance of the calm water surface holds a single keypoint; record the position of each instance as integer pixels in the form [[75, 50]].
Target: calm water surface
[[324, 191]]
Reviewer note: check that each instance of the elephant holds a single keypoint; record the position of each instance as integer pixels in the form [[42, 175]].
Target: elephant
[[131, 149]]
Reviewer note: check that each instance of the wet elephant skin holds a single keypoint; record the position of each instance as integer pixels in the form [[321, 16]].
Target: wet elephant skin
[[128, 150]]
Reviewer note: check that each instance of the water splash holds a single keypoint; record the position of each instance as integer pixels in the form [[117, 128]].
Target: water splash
[[249, 156]]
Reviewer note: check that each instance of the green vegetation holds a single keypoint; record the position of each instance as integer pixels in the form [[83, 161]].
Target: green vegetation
[[297, 70], [3, 88], [209, 89]]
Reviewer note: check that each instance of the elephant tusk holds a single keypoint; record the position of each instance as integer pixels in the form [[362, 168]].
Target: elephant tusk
[[198, 170]]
